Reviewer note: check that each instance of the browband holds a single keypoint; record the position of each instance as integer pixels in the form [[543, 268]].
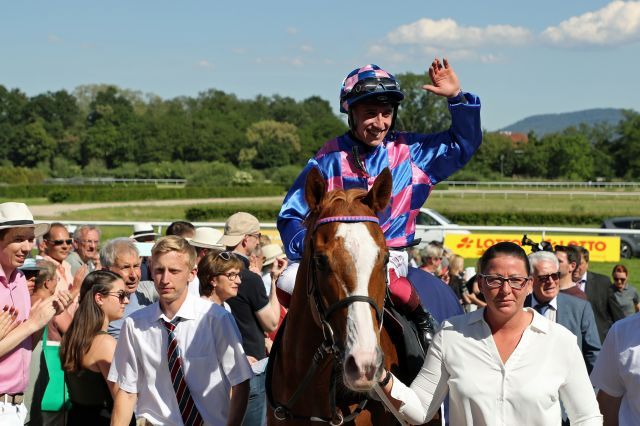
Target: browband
[[346, 219]]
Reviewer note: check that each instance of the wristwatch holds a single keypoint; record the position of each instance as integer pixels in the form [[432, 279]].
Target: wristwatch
[[458, 99]]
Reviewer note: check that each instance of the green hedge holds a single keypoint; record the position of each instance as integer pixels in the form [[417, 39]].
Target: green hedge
[[525, 218], [92, 193], [204, 214]]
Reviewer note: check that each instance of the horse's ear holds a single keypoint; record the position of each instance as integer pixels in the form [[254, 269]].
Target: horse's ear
[[380, 194], [314, 188]]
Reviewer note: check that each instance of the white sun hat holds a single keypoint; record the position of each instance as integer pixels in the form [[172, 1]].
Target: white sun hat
[[205, 237], [18, 215]]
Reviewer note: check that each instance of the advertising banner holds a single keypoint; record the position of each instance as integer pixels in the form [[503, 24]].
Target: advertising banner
[[601, 249]]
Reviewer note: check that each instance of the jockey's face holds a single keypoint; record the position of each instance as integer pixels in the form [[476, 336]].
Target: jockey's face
[[372, 122]]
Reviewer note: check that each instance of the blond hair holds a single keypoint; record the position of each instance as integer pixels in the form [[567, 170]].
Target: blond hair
[[456, 264], [177, 244]]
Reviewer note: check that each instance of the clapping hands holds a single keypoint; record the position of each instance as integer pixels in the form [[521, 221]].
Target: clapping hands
[[279, 265], [8, 320]]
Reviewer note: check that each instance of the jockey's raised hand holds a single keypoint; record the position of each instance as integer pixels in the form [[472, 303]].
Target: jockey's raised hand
[[444, 79]]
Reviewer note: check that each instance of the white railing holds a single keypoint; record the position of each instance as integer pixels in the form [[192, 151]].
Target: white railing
[[109, 181], [555, 184]]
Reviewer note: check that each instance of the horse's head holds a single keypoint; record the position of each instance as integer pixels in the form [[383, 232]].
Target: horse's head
[[347, 275]]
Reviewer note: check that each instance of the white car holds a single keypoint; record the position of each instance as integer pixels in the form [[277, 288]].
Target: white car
[[427, 224]]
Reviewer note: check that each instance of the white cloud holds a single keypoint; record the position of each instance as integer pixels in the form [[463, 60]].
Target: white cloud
[[239, 50], [446, 33], [616, 23], [53, 39], [204, 64], [306, 48], [292, 30]]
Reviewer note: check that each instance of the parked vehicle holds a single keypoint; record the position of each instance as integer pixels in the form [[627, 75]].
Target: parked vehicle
[[629, 243], [429, 217]]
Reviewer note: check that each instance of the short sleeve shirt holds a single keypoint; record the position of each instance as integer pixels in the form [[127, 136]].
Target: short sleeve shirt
[[14, 366], [251, 298], [617, 369], [213, 361]]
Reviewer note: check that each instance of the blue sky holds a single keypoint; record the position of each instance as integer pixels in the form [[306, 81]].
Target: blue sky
[[521, 58]]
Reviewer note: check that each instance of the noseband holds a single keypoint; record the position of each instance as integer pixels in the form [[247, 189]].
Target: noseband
[[328, 345]]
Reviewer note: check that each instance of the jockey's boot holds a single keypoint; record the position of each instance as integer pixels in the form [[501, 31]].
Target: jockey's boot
[[426, 325]]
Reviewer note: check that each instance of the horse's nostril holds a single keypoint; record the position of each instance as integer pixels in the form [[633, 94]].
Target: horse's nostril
[[350, 365]]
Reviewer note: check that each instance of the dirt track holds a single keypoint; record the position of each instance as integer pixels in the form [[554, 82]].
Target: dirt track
[[53, 210]]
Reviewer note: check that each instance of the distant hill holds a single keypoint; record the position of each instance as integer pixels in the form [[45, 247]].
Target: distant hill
[[551, 123]]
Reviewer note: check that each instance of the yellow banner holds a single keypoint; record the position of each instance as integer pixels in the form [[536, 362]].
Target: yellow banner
[[601, 249]]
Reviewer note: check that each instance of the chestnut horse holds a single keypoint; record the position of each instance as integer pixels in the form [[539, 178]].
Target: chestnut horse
[[329, 353]]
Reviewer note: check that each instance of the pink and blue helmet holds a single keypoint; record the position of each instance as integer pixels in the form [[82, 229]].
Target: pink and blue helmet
[[369, 82]]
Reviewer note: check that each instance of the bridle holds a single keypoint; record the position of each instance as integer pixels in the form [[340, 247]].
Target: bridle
[[328, 346]]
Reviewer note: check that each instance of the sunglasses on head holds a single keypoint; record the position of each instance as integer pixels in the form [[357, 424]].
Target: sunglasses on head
[[225, 255], [61, 242]]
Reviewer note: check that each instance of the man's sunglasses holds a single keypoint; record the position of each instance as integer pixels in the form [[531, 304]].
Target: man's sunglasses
[[61, 242]]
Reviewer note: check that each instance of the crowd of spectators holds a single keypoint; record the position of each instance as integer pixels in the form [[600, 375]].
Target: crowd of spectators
[[211, 306]]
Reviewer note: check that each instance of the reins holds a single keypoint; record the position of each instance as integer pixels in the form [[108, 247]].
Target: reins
[[328, 349]]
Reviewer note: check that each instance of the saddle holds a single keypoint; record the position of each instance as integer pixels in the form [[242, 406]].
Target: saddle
[[404, 335]]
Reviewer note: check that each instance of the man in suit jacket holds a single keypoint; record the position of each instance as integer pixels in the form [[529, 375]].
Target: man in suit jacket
[[596, 286], [573, 313]]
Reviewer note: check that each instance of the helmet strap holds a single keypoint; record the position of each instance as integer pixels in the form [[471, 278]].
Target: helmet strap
[[395, 116], [351, 122]]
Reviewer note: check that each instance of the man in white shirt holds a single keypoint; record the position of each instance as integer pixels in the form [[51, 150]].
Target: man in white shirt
[[617, 373], [208, 357]]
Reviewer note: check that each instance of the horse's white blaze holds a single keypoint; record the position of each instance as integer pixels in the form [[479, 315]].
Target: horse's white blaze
[[361, 338]]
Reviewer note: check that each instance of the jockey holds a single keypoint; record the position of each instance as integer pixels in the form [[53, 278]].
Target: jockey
[[370, 97]]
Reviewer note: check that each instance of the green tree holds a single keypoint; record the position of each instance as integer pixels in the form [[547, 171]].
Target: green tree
[[275, 143], [12, 107], [32, 145], [110, 135], [421, 111], [625, 150]]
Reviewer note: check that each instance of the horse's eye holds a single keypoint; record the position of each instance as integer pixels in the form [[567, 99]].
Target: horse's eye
[[321, 262]]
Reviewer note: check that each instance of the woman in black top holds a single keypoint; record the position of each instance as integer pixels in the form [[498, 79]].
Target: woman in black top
[[86, 350]]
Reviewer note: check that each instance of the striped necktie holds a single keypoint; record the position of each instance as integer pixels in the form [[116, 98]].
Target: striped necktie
[[188, 410]]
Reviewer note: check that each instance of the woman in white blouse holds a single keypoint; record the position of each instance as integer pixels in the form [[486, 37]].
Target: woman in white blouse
[[502, 364]]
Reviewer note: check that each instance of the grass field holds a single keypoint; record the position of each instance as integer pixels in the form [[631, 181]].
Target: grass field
[[545, 202]]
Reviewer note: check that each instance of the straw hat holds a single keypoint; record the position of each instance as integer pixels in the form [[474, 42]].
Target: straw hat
[[143, 230], [205, 237], [18, 215], [271, 252]]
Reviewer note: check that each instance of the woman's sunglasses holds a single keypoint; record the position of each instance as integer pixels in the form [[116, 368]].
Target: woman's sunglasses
[[121, 295], [225, 255]]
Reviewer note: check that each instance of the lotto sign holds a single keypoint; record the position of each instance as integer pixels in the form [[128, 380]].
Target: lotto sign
[[601, 249]]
